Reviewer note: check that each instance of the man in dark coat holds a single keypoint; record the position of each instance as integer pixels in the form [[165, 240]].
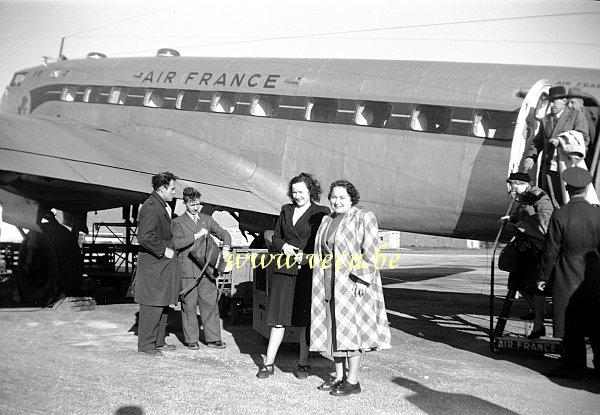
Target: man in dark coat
[[189, 231], [573, 233], [582, 318], [560, 120], [156, 282]]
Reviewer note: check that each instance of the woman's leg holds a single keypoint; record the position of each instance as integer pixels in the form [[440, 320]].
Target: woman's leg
[[339, 367], [275, 339], [538, 309], [537, 303], [303, 358], [353, 369]]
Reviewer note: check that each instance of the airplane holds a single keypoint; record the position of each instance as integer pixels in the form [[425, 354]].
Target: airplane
[[428, 144]]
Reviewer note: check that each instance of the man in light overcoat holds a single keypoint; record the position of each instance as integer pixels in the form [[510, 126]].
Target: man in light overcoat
[[561, 119]]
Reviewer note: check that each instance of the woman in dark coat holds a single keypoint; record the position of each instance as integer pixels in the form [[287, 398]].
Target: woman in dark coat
[[290, 286]]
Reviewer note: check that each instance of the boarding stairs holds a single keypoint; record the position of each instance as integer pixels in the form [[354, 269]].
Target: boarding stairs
[[503, 339], [510, 339]]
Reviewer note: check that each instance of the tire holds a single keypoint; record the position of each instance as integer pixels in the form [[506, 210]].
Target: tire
[[37, 275], [50, 263]]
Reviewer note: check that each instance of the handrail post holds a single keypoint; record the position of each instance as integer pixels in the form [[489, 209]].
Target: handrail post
[[492, 277]]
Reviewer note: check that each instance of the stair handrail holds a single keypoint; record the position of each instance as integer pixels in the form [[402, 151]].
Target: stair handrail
[[492, 276]]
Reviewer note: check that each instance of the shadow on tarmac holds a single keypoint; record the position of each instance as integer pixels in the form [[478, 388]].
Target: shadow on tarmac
[[589, 382], [129, 410], [435, 402], [252, 344], [417, 274], [437, 316], [431, 315]]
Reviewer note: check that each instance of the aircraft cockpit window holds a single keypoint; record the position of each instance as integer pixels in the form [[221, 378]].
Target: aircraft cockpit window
[[69, 93], [18, 78], [493, 124], [264, 106], [431, 119], [372, 114], [187, 100], [92, 94], [118, 95], [321, 110], [154, 98], [224, 102]]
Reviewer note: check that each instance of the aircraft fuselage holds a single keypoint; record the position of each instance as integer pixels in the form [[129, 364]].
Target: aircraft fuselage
[[409, 135]]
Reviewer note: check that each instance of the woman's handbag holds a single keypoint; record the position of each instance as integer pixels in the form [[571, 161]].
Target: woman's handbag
[[509, 257]]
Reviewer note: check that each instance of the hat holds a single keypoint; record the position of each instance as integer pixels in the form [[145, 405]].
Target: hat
[[521, 176], [557, 92], [576, 92], [577, 177]]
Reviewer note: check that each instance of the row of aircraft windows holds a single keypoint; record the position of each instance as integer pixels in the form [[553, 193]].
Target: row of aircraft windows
[[416, 117]]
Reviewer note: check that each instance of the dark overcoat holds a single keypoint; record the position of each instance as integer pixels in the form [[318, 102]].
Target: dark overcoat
[[574, 232], [536, 204], [184, 229], [301, 235], [156, 281]]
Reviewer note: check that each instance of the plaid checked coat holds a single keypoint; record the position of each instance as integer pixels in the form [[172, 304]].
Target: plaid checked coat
[[361, 322]]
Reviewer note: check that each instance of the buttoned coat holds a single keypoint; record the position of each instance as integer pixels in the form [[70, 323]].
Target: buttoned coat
[[300, 235], [361, 321], [156, 282], [574, 231], [568, 120], [184, 229]]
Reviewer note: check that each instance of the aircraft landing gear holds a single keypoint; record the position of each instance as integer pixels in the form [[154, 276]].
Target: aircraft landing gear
[[50, 264]]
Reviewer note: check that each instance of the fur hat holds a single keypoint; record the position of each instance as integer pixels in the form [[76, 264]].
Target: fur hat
[[520, 176]]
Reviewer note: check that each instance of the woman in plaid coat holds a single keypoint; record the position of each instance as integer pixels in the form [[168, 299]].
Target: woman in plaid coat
[[348, 311]]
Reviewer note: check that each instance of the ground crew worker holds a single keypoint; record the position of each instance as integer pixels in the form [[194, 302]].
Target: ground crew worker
[[573, 233]]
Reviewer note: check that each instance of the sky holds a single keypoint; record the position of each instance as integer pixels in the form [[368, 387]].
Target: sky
[[529, 32]]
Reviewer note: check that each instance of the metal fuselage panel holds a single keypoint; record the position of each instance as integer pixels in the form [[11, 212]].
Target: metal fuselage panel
[[414, 181]]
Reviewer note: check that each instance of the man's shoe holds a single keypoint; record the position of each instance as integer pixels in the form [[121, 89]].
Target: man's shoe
[[330, 385], [346, 389], [166, 347], [216, 345], [266, 371], [302, 371], [151, 352], [193, 346]]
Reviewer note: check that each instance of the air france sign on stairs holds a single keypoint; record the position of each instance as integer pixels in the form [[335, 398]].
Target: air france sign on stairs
[[526, 345]]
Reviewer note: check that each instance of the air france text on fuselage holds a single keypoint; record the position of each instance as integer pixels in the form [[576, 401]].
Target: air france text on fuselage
[[249, 80]]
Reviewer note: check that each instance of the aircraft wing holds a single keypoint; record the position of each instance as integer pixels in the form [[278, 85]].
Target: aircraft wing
[[98, 169]]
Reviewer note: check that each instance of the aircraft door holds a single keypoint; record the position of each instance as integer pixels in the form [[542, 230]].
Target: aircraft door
[[527, 125]]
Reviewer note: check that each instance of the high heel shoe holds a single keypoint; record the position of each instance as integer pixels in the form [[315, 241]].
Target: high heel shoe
[[302, 371], [266, 371], [536, 334]]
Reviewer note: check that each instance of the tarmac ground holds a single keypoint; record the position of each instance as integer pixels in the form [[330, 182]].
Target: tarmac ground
[[68, 362]]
